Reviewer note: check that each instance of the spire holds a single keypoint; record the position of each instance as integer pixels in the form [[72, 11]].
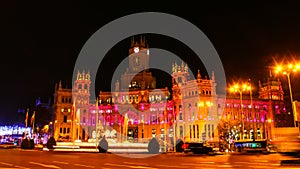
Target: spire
[[186, 68], [60, 86], [78, 75], [270, 73], [173, 68], [213, 76], [176, 67], [198, 74], [88, 75], [259, 84]]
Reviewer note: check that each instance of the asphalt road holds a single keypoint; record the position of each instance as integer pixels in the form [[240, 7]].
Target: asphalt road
[[33, 159]]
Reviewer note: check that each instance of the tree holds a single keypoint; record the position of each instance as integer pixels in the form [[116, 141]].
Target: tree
[[229, 130]]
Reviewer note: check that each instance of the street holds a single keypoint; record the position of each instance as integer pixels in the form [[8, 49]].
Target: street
[[32, 159]]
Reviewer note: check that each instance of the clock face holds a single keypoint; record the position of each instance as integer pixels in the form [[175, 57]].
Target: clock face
[[136, 49]]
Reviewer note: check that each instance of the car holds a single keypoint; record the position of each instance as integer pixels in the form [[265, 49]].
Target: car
[[197, 148]]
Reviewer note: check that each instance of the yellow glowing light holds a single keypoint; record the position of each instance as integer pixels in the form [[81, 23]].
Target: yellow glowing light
[[201, 104], [208, 103], [269, 120], [297, 67], [289, 68], [279, 68]]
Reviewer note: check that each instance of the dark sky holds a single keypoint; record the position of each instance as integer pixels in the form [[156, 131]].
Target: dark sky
[[40, 41]]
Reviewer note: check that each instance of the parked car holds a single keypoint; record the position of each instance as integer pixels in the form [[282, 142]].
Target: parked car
[[197, 148]]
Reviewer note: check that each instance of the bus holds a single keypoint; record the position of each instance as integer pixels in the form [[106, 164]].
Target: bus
[[261, 146]]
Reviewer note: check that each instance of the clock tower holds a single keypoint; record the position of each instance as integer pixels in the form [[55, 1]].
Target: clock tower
[[137, 76], [138, 55]]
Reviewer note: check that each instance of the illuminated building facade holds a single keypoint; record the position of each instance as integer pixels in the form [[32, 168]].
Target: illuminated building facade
[[194, 105], [136, 110], [258, 116]]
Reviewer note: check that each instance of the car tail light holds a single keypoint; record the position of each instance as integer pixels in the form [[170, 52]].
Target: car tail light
[[185, 146]]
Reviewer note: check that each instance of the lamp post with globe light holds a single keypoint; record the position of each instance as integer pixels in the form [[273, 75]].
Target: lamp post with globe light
[[287, 70], [240, 88]]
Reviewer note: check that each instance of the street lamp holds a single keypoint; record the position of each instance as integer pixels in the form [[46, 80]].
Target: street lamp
[[240, 88], [287, 70]]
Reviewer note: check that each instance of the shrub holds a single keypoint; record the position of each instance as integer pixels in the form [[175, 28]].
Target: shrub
[[27, 144], [103, 145], [50, 143], [153, 146]]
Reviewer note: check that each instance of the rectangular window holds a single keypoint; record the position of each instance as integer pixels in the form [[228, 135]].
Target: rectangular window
[[68, 130], [180, 115], [181, 131], [60, 130], [65, 119], [208, 128]]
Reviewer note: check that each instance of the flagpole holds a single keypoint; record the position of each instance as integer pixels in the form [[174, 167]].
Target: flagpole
[[26, 118], [33, 117]]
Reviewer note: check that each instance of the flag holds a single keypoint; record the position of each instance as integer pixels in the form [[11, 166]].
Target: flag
[[32, 118], [26, 118]]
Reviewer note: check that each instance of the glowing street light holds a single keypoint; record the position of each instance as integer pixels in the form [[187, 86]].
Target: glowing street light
[[287, 70]]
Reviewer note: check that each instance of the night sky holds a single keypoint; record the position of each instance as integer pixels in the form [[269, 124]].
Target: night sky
[[40, 42]]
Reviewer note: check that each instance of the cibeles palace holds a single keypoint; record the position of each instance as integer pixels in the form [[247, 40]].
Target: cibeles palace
[[136, 110]]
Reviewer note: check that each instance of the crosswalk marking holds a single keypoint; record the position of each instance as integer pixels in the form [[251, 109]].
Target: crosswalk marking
[[81, 165], [173, 166], [60, 162], [121, 165], [135, 163], [21, 167], [11, 165], [44, 165], [7, 164]]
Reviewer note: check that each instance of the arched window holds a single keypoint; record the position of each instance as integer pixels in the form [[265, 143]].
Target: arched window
[[80, 86]]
